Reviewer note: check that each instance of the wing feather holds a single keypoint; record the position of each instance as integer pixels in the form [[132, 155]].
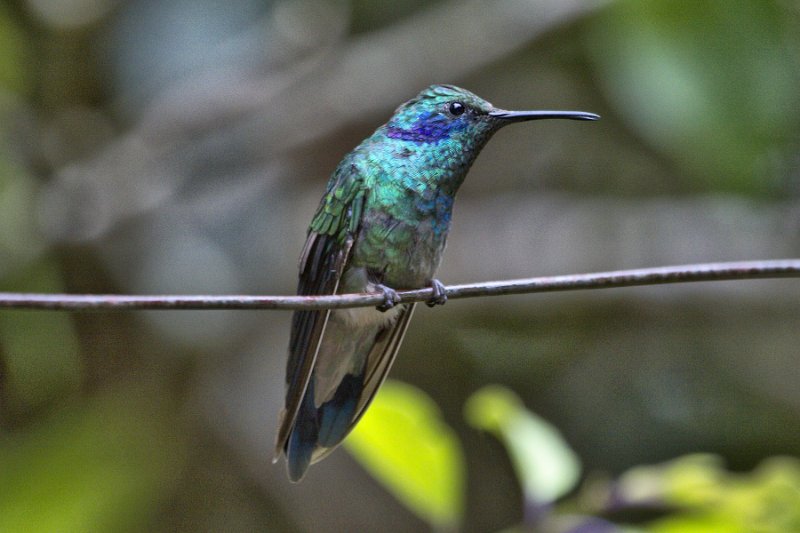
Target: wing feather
[[322, 262]]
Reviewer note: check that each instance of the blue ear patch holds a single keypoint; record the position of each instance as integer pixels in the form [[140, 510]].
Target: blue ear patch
[[427, 128]]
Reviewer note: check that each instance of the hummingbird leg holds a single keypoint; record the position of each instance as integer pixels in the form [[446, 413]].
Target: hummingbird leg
[[439, 294], [390, 297]]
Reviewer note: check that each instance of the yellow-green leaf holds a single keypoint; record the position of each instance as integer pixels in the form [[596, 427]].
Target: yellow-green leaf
[[403, 443], [545, 464]]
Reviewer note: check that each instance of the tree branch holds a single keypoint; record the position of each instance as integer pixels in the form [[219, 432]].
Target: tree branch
[[785, 268]]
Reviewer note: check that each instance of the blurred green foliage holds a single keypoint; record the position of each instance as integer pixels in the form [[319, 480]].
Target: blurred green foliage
[[713, 84], [694, 493], [104, 464], [182, 146], [707, 497], [15, 48], [40, 350]]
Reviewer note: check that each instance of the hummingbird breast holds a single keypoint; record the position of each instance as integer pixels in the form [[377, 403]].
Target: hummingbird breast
[[403, 234]]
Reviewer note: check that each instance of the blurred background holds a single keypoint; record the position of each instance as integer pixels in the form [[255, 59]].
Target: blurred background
[[182, 147]]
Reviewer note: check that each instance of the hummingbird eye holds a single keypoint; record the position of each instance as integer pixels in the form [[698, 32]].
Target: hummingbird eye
[[456, 108]]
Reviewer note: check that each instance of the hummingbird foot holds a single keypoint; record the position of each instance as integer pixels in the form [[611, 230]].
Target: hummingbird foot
[[390, 298], [439, 294]]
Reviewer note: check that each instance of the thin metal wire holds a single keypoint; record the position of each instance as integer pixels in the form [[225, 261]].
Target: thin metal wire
[[744, 270]]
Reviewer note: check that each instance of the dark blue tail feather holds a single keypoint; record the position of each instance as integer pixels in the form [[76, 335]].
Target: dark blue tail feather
[[325, 427], [304, 437], [336, 415]]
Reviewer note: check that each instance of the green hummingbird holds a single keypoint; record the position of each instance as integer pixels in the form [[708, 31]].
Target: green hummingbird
[[381, 226]]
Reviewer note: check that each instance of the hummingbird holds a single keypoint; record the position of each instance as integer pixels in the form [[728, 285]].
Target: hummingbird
[[381, 226]]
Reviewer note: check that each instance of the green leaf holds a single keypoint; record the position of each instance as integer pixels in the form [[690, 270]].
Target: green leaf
[[545, 464], [403, 443]]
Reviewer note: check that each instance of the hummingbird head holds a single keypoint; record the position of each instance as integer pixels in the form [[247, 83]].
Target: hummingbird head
[[447, 113]]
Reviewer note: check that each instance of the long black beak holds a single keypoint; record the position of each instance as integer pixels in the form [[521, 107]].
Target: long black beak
[[520, 116]]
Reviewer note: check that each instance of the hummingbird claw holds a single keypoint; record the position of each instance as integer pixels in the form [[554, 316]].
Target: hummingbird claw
[[390, 298], [439, 294]]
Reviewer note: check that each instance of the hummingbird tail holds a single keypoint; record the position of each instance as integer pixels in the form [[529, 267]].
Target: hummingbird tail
[[303, 439]]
